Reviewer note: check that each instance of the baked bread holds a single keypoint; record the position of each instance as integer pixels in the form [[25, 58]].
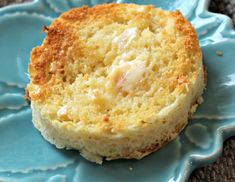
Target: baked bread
[[115, 80]]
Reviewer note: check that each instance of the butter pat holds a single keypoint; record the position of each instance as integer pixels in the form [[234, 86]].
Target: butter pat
[[126, 76], [125, 38]]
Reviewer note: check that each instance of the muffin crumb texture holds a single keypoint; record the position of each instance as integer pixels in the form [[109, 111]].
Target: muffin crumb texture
[[115, 80]]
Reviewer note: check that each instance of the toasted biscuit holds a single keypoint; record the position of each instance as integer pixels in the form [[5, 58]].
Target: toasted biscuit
[[116, 80]]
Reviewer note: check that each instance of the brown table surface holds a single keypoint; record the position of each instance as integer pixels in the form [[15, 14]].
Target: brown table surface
[[223, 169]]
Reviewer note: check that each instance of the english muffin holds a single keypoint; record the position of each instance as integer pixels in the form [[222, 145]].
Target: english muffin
[[115, 80]]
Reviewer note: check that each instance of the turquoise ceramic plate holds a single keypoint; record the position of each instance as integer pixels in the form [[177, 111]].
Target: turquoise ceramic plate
[[26, 156]]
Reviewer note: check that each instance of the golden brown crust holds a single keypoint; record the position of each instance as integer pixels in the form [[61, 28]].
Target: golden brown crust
[[186, 29], [115, 72], [53, 49], [61, 36], [64, 43], [107, 11]]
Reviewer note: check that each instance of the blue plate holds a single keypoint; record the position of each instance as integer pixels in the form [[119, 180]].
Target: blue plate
[[26, 156]]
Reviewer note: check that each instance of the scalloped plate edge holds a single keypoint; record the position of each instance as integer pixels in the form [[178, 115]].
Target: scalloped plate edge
[[222, 132]]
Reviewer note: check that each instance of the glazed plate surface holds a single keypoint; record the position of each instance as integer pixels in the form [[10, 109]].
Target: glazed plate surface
[[26, 156]]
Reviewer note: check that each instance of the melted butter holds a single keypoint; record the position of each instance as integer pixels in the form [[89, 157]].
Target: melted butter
[[62, 111], [63, 114], [133, 75], [125, 38], [127, 75]]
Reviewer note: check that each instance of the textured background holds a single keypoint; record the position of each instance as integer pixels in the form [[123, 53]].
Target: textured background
[[223, 169]]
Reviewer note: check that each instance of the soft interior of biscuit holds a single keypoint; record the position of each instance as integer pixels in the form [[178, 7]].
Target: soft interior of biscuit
[[121, 70]]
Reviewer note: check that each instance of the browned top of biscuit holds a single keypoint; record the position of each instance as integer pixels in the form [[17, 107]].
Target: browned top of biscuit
[[82, 51], [61, 35]]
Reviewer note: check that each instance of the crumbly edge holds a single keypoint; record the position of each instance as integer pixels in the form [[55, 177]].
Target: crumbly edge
[[61, 134], [50, 130]]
